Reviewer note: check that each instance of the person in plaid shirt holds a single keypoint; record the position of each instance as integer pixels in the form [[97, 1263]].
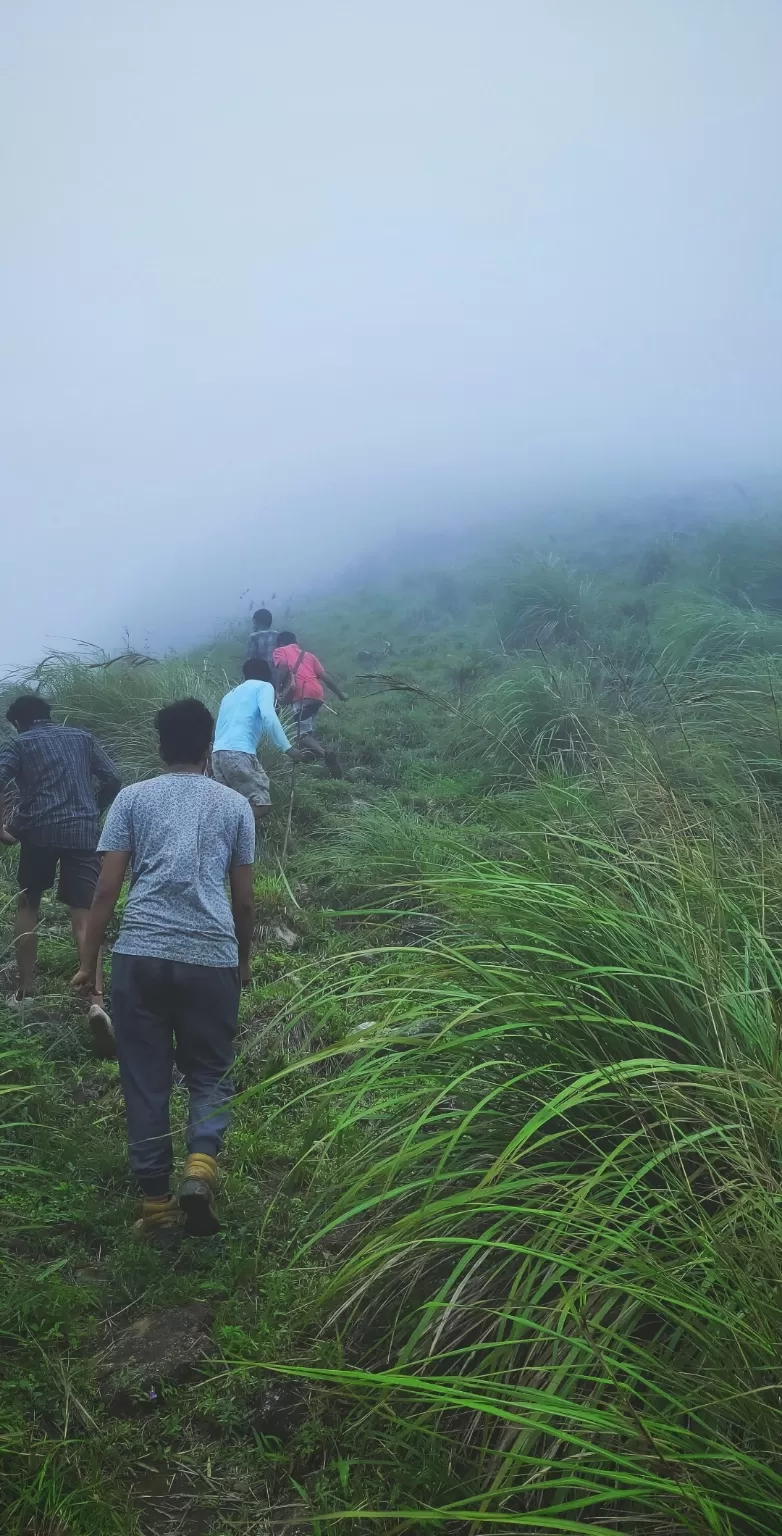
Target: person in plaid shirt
[[64, 780], [263, 640]]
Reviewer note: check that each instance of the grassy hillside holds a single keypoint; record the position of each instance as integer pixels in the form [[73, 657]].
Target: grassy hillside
[[503, 1241]]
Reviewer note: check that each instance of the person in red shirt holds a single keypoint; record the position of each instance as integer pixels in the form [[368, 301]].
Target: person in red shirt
[[301, 678]]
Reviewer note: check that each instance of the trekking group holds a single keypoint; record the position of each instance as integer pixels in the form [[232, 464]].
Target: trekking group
[[187, 838]]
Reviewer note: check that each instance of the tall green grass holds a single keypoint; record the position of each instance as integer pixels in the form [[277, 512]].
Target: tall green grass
[[560, 1187], [546, 1139], [118, 697]]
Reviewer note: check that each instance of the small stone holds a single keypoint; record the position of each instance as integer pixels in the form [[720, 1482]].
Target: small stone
[[279, 934], [280, 1408]]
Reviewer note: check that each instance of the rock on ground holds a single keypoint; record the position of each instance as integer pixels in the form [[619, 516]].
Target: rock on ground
[[161, 1348]]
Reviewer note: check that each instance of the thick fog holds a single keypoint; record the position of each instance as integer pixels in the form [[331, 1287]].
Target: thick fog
[[278, 278]]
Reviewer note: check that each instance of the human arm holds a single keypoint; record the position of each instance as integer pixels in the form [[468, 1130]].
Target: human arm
[[282, 680], [7, 838], [270, 720], [112, 874], [106, 774], [240, 876], [9, 770], [116, 845], [330, 683], [326, 678], [243, 908]]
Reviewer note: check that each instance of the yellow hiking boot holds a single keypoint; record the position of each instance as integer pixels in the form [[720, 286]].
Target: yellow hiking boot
[[160, 1222], [197, 1195]]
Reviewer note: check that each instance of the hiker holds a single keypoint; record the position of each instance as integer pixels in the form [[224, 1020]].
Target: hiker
[[301, 679], [247, 714], [56, 769], [373, 658], [181, 958], [263, 640]]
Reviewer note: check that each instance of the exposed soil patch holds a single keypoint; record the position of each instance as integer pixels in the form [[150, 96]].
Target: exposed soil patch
[[162, 1349]]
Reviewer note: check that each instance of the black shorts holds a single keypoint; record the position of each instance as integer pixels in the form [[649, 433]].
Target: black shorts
[[79, 870]]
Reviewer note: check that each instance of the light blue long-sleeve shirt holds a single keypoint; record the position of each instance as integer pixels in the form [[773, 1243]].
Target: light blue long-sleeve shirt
[[247, 714]]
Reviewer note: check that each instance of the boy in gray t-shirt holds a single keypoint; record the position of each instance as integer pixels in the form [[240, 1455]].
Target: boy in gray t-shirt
[[182, 955]]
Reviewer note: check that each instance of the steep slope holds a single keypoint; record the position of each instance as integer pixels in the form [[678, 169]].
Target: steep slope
[[503, 1190]]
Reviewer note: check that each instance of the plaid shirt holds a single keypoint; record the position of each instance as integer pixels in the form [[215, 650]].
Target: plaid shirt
[[54, 767], [261, 644]]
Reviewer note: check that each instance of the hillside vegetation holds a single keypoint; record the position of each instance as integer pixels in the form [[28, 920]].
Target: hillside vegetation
[[503, 1197]]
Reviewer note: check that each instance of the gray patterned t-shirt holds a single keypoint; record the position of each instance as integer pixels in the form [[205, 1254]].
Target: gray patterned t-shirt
[[183, 833]]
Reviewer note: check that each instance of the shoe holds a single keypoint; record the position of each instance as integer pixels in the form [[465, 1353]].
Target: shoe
[[160, 1222], [101, 1029], [197, 1195]]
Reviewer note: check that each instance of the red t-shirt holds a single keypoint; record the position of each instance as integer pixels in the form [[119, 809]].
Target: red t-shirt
[[306, 683]]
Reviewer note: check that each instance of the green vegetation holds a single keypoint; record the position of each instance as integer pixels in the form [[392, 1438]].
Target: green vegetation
[[503, 1244]]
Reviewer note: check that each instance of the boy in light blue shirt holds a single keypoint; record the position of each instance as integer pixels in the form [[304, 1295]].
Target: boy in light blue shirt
[[247, 715]]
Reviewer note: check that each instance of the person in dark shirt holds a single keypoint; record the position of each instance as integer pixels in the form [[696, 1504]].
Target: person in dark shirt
[[64, 780], [263, 640]]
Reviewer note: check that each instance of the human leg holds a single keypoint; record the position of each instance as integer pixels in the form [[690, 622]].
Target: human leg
[[37, 869], [243, 772], [79, 871], [312, 746], [206, 1014], [308, 742], [26, 944], [333, 764], [79, 917], [143, 1024], [304, 713], [101, 1029]]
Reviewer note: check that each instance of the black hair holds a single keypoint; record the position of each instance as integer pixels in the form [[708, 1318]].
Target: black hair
[[185, 729], [262, 619], [257, 671], [286, 637], [28, 708]]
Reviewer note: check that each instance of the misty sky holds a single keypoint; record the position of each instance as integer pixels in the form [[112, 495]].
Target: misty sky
[[278, 277]]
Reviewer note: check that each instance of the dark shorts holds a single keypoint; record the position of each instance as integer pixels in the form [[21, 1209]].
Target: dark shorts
[[79, 870]]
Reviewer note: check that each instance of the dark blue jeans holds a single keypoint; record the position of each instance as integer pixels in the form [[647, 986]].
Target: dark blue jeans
[[165, 1011]]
